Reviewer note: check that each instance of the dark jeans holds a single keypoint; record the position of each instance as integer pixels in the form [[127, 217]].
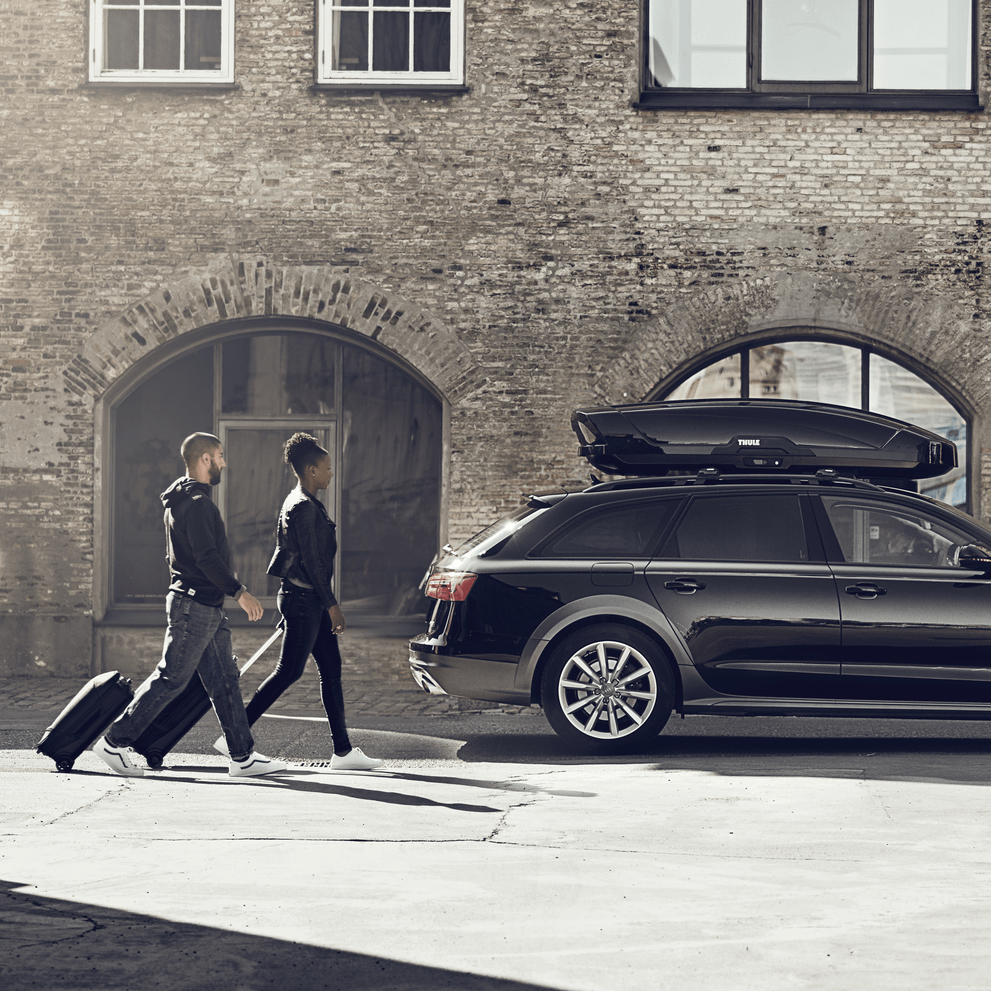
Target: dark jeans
[[197, 642], [308, 630]]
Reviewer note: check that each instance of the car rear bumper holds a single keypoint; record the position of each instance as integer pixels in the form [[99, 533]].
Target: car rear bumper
[[467, 677]]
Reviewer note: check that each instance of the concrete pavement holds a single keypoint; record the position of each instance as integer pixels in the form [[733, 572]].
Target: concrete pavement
[[715, 872], [439, 874]]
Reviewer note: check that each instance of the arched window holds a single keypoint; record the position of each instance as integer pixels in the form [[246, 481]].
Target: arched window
[[382, 427], [829, 372]]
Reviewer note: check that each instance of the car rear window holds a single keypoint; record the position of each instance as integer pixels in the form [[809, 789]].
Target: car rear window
[[627, 530], [740, 527]]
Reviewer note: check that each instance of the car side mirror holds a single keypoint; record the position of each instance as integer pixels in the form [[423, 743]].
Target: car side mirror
[[975, 557]]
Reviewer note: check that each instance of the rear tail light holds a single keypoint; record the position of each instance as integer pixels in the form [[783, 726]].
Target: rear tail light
[[451, 586]]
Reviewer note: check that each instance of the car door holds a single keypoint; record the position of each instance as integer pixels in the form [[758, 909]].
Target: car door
[[744, 581], [915, 626]]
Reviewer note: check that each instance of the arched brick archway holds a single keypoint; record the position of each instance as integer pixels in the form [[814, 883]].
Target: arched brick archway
[[232, 288], [928, 335]]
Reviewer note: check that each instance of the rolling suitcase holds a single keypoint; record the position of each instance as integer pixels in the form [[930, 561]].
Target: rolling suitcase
[[97, 704], [184, 712], [746, 436]]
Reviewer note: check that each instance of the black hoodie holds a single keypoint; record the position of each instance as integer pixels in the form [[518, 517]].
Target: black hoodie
[[196, 540]]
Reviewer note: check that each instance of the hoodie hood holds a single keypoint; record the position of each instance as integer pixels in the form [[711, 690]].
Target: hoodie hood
[[181, 490]]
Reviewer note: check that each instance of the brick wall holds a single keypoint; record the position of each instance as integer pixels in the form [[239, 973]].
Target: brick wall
[[561, 245]]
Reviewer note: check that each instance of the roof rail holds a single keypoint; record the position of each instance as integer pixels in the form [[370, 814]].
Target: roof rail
[[713, 476]]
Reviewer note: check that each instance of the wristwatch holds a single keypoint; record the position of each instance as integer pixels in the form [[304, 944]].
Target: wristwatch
[[240, 592]]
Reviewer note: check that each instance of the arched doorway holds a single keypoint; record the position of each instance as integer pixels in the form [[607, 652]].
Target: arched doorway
[[830, 371], [254, 388]]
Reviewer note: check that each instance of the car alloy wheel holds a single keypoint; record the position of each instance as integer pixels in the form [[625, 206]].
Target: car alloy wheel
[[607, 689]]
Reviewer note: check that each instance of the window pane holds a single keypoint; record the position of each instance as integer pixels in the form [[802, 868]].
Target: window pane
[[390, 41], [809, 40], [121, 42], [809, 370], [897, 392], [161, 39], [431, 42], [698, 43], [257, 480], [627, 531], [350, 41], [740, 528], [922, 44], [150, 426], [202, 39], [390, 485], [719, 381], [871, 534], [279, 375]]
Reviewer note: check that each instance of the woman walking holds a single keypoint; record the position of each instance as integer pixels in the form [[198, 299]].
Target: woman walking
[[304, 559]]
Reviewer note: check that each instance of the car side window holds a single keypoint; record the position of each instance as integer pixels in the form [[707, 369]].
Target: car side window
[[872, 533], [745, 527], [623, 531]]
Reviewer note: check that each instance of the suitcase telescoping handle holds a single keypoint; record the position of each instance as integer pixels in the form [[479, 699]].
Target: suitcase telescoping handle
[[268, 643]]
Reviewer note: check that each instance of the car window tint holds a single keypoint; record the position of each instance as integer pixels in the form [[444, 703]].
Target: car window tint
[[628, 530], [750, 527], [872, 533]]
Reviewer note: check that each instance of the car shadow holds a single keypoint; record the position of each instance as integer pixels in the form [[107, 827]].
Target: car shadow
[[901, 757], [51, 942]]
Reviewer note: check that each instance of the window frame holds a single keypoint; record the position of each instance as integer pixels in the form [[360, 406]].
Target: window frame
[[810, 95], [161, 77], [326, 78]]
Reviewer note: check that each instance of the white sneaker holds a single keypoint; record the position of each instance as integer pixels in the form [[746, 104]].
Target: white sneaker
[[255, 764], [354, 761], [118, 759], [221, 746]]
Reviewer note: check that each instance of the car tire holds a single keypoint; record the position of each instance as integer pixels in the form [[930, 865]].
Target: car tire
[[607, 689]]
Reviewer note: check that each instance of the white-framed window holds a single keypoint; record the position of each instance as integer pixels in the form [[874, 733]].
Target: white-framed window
[[391, 42], [167, 41]]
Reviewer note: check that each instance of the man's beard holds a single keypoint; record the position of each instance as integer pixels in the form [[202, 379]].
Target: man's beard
[[215, 473]]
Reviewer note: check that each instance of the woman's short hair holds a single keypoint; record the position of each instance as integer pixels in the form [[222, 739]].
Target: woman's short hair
[[301, 451]]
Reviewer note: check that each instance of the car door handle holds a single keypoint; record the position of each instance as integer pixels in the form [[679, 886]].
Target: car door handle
[[865, 590], [685, 586]]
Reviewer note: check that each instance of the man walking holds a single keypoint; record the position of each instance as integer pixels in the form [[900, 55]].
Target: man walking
[[198, 638]]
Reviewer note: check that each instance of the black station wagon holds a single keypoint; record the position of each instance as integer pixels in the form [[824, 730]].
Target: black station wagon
[[760, 576]]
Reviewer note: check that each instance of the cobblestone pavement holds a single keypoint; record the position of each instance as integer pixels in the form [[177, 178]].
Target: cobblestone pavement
[[377, 682]]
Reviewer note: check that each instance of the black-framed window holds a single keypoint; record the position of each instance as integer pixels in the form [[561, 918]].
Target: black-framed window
[[837, 372], [897, 54]]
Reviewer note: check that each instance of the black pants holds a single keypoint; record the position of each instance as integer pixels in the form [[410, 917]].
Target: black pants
[[308, 630]]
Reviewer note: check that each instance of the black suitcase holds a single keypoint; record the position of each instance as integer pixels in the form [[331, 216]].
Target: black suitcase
[[757, 435], [97, 704], [184, 712]]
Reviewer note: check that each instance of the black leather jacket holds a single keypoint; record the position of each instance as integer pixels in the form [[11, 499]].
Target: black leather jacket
[[306, 544]]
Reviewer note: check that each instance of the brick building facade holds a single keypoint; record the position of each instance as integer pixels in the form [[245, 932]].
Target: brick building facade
[[535, 238]]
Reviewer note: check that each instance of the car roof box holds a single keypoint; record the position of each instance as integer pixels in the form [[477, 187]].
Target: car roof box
[[756, 435]]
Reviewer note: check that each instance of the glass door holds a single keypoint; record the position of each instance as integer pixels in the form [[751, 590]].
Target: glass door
[[252, 490]]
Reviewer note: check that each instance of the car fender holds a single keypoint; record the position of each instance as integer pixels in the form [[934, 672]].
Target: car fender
[[604, 608]]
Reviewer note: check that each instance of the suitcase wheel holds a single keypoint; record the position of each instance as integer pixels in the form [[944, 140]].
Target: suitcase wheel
[[154, 759], [63, 762]]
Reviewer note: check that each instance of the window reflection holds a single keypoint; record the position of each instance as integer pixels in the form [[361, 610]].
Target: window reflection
[[810, 370], [814, 40], [922, 44], [699, 43], [279, 374]]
